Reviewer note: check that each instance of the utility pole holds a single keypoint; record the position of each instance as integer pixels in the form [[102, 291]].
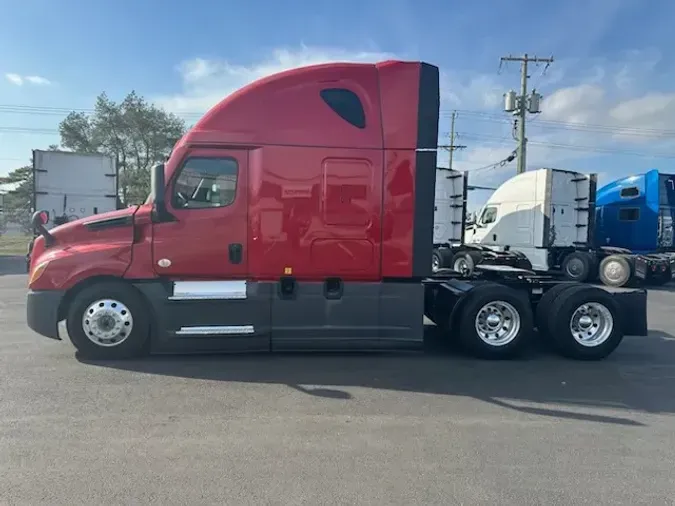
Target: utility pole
[[452, 138], [521, 104], [452, 146]]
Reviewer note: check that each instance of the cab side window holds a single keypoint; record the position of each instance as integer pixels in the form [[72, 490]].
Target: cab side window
[[631, 191], [205, 183], [489, 215], [346, 104]]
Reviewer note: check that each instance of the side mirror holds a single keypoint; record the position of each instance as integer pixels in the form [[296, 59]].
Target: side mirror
[[157, 184], [157, 190], [40, 218], [38, 221]]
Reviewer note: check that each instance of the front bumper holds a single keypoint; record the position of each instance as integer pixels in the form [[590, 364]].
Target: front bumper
[[42, 310]]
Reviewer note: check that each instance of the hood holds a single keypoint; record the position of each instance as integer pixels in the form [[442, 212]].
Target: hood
[[81, 229]]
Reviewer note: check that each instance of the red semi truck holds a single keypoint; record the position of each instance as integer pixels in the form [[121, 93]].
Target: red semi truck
[[297, 214]]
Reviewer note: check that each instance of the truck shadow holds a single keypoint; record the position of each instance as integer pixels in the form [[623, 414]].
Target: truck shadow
[[541, 384]]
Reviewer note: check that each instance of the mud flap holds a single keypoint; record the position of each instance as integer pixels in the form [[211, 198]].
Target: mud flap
[[633, 303]]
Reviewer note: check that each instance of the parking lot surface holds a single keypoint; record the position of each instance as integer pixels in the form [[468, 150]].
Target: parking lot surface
[[427, 428]]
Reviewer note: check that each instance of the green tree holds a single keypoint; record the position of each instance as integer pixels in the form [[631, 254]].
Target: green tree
[[17, 201], [136, 133]]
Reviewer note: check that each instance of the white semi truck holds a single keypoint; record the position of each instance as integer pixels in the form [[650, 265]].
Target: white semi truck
[[541, 220], [72, 185]]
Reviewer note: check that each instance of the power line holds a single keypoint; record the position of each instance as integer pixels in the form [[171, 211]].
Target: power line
[[571, 147], [500, 163], [488, 116], [477, 115], [62, 111], [581, 127]]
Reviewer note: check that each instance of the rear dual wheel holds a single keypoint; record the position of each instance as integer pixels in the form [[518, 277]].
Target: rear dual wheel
[[465, 262], [582, 322], [616, 270], [494, 322], [579, 266], [440, 259]]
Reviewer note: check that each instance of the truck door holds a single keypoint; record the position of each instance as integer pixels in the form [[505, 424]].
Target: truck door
[[483, 230], [203, 253]]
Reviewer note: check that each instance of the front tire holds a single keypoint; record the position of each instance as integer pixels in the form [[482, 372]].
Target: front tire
[[585, 323], [495, 322], [108, 321]]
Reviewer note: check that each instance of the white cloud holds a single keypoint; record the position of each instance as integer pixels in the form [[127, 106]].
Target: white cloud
[[590, 107], [39, 80], [622, 107], [474, 92], [14, 78], [19, 80], [206, 82]]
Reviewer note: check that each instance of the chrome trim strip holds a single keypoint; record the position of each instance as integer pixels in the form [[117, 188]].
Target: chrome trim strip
[[216, 330], [205, 290]]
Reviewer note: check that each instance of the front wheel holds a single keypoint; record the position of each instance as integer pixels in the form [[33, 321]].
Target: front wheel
[[108, 321]]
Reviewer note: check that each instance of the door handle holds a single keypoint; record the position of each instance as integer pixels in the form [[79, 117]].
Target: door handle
[[235, 253]]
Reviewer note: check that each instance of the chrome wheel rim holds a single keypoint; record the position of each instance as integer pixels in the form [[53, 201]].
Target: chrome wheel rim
[[461, 265], [591, 324], [614, 271], [107, 322], [497, 323]]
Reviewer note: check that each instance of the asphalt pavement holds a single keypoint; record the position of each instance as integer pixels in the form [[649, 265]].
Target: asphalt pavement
[[425, 428]]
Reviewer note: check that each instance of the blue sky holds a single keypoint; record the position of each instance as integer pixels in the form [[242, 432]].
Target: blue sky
[[609, 97]]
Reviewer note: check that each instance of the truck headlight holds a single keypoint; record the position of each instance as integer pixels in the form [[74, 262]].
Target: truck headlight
[[37, 272]]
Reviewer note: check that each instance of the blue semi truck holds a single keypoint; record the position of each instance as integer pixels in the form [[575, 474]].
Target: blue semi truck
[[635, 215]]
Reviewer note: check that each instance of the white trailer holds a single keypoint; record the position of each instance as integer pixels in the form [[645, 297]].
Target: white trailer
[[73, 185], [542, 220]]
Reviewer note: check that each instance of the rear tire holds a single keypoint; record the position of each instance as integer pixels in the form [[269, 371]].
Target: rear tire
[[108, 321], [495, 322], [542, 312], [615, 270], [577, 266], [440, 259], [465, 262], [585, 323]]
